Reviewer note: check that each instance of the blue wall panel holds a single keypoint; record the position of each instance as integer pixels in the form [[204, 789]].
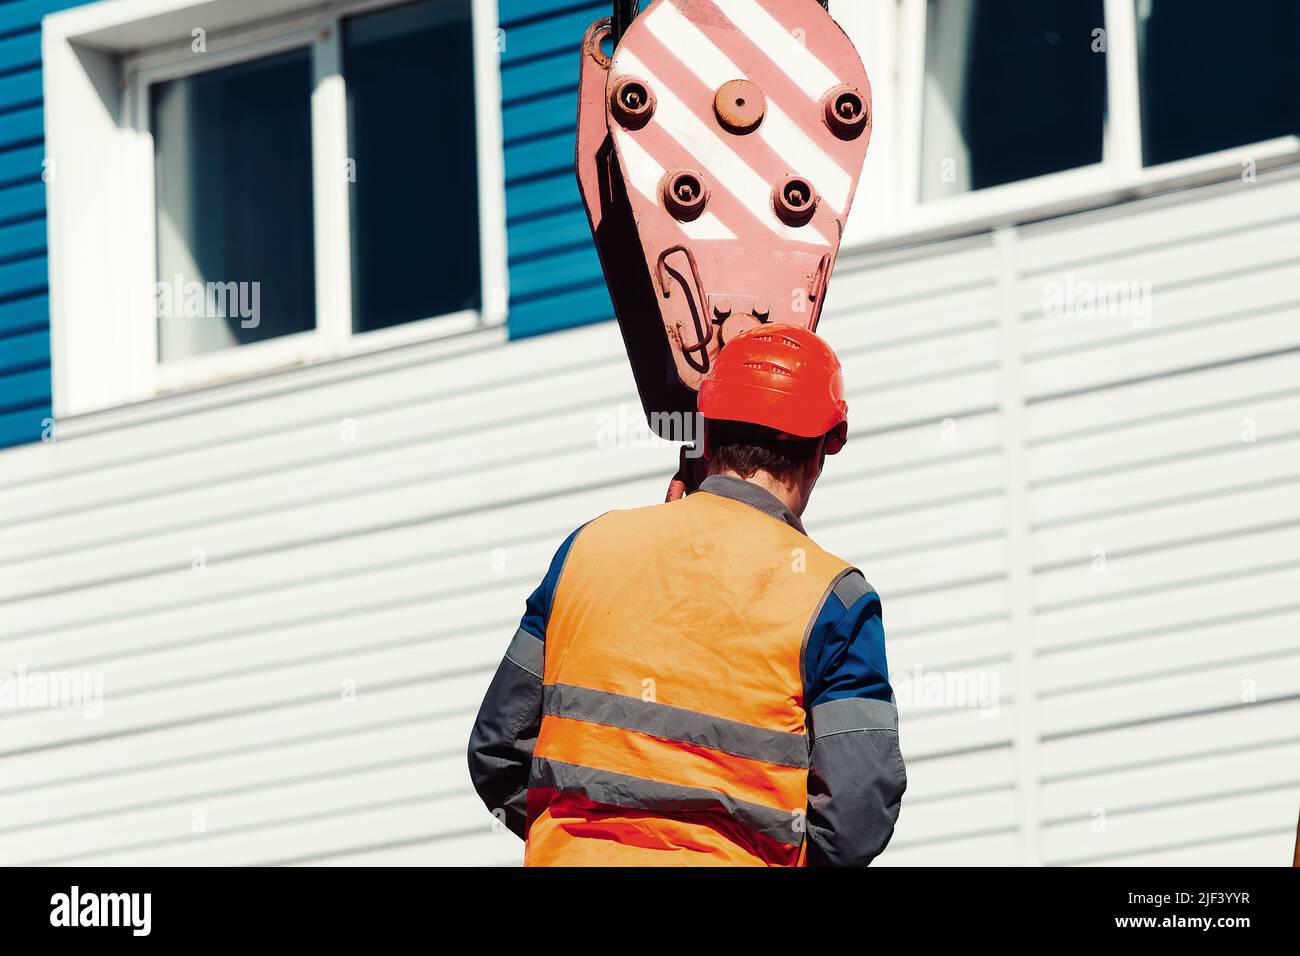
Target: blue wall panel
[[24, 273], [555, 279]]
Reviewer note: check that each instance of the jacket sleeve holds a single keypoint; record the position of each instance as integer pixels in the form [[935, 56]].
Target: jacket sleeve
[[856, 776], [505, 731]]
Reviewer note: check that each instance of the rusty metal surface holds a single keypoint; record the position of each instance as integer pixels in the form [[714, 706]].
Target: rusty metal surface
[[740, 106], [718, 152]]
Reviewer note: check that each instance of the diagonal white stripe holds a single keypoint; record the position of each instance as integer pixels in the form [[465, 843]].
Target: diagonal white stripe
[[785, 137], [728, 170], [811, 75], [645, 173]]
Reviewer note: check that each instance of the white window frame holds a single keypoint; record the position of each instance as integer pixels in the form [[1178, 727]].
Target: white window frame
[[898, 216], [100, 61]]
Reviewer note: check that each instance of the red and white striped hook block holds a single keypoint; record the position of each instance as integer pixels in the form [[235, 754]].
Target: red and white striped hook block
[[718, 152]]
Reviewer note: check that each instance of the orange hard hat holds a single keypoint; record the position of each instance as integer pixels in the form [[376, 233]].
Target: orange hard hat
[[782, 377]]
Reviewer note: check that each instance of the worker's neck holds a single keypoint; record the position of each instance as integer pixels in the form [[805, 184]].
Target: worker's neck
[[788, 490]]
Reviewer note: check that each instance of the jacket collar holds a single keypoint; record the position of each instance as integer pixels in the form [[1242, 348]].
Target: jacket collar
[[746, 492]]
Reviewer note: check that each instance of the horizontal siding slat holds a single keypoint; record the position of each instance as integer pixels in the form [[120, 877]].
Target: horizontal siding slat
[[1161, 399], [1194, 433], [24, 390], [1116, 233], [24, 315], [21, 51], [563, 30], [547, 156], [1186, 737], [997, 849], [20, 89], [22, 352], [1166, 354], [1197, 779], [554, 195], [16, 166], [22, 241], [22, 202], [580, 267], [1229, 596], [1158, 697], [562, 310], [25, 125], [27, 14], [553, 75], [25, 425], [1153, 830], [512, 11], [537, 238], [24, 277]]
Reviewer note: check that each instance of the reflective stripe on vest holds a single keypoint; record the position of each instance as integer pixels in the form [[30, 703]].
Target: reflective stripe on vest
[[673, 714]]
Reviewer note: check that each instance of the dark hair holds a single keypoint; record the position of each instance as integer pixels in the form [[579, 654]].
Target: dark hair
[[745, 449]]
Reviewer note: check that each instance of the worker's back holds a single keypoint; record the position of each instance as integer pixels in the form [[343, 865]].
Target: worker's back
[[673, 721]]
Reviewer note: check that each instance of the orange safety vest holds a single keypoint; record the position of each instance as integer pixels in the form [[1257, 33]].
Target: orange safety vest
[[673, 725]]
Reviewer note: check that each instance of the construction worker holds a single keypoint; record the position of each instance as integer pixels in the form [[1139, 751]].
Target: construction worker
[[696, 682]]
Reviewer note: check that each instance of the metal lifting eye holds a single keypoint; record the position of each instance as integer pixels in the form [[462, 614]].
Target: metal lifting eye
[[794, 200]]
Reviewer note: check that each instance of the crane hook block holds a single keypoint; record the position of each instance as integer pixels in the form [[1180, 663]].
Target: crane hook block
[[719, 146]]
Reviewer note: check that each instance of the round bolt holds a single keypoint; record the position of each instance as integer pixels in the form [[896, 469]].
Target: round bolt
[[846, 112], [684, 193], [740, 106], [632, 102], [794, 200], [722, 308], [761, 310]]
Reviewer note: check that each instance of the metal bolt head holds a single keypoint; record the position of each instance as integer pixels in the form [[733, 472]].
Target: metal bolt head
[[794, 200], [631, 102], [846, 112], [684, 193]]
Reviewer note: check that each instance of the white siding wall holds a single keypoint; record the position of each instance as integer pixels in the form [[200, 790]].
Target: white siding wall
[[399, 561]]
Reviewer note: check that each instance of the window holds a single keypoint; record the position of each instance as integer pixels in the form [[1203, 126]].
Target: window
[[1013, 90], [1011, 109], [415, 193], [235, 189], [234, 185], [232, 177], [1243, 87]]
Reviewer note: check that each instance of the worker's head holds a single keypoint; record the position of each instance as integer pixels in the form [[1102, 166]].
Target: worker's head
[[774, 408]]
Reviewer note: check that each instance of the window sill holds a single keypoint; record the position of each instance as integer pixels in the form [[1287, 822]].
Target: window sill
[[358, 363], [304, 349]]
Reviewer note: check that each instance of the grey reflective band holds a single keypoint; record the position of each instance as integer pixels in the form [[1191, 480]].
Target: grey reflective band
[[848, 714], [851, 588], [623, 790], [676, 723], [526, 652]]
